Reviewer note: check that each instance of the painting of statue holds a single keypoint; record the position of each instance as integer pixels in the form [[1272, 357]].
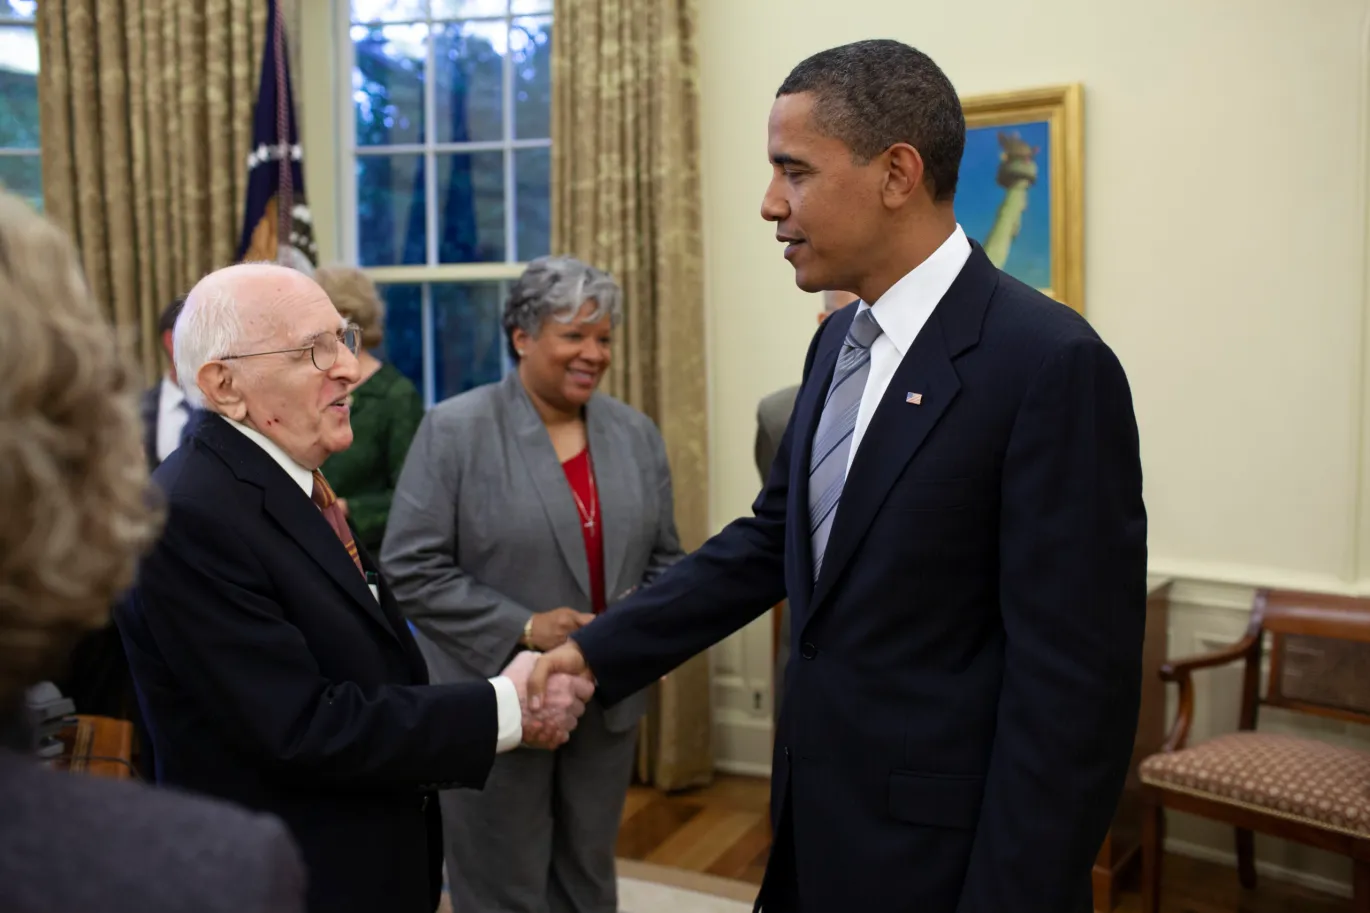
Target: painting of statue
[[1019, 193]]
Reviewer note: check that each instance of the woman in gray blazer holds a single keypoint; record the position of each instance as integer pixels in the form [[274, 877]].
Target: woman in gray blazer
[[524, 508]]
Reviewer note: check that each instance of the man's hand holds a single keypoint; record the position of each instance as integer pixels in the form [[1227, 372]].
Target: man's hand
[[550, 629], [565, 660], [551, 724], [342, 502]]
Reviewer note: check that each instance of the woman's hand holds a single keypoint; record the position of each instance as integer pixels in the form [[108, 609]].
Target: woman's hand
[[550, 629]]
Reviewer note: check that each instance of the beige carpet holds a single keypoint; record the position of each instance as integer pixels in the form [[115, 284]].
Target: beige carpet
[[647, 888]]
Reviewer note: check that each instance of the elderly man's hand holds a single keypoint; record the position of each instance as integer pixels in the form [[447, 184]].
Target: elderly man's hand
[[562, 707], [550, 726]]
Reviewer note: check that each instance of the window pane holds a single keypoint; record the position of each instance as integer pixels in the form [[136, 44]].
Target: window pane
[[466, 9], [404, 330], [387, 83], [23, 175], [532, 6], [533, 195], [387, 10], [18, 9], [470, 99], [530, 41], [471, 207], [468, 339], [18, 86], [391, 223]]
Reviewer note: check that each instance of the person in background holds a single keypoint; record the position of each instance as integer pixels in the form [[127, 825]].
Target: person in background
[[74, 515], [386, 411], [772, 417], [525, 507], [163, 407]]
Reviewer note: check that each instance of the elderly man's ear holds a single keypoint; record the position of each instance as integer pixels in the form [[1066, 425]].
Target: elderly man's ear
[[221, 391]]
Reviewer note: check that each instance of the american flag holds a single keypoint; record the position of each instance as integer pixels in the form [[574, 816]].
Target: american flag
[[276, 221]]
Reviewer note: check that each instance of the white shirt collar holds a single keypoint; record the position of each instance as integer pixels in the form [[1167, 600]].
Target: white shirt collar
[[902, 311], [171, 395], [303, 477]]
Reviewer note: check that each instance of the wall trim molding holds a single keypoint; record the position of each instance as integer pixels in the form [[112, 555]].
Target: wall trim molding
[[1235, 578], [1263, 869]]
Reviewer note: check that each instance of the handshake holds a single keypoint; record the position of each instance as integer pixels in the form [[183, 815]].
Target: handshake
[[548, 721]]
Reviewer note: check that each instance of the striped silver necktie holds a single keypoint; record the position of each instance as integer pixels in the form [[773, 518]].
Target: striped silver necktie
[[832, 440]]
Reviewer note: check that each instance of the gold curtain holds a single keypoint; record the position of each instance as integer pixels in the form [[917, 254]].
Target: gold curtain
[[146, 115], [625, 197]]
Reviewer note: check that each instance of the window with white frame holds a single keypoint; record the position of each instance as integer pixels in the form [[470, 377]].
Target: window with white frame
[[21, 162], [446, 177]]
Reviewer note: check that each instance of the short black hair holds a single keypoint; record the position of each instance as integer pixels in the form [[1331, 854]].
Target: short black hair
[[167, 321], [873, 94]]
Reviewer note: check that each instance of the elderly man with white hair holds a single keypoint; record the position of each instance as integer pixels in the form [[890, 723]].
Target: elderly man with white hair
[[270, 659]]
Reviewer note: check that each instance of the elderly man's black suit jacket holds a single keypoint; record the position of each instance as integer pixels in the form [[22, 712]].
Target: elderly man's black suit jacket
[[269, 675]]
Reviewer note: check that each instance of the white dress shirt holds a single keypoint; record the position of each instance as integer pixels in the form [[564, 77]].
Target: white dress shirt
[[901, 313], [510, 733], [172, 413]]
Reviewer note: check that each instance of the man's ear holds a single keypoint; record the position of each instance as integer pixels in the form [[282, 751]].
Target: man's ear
[[221, 391], [904, 174]]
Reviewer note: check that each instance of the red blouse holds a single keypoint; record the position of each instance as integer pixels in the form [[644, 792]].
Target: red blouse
[[580, 474]]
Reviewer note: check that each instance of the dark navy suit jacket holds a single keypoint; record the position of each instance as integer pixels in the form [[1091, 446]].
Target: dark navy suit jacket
[[964, 688]]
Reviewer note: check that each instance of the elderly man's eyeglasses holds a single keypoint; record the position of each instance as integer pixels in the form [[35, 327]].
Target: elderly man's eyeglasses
[[323, 350]]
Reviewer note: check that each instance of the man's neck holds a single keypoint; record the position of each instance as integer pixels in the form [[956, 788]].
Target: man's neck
[[913, 246]]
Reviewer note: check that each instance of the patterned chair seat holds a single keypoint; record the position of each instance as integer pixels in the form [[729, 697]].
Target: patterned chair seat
[[1303, 780]]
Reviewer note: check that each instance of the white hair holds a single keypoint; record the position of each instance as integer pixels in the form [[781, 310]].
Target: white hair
[[209, 327]]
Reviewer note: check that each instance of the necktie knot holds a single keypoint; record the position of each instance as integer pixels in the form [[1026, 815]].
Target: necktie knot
[[323, 495], [865, 329]]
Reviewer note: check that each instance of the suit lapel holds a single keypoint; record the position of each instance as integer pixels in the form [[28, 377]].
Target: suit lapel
[[418, 668], [292, 510], [609, 454], [898, 428], [549, 480]]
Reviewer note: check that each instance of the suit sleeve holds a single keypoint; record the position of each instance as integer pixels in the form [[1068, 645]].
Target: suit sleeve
[[1073, 602], [208, 603], [728, 582]]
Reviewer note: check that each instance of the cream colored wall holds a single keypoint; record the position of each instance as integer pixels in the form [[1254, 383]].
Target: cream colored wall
[[1225, 217]]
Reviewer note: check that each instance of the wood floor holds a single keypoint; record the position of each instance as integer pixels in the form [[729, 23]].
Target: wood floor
[[723, 830]]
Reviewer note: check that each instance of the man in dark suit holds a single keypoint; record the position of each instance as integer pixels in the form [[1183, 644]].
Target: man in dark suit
[[772, 417], [272, 663], [956, 515]]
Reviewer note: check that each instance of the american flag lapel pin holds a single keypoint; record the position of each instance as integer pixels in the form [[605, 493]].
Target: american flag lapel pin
[[914, 398]]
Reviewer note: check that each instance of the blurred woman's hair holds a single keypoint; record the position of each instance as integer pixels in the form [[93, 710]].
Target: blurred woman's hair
[[356, 298], [75, 504]]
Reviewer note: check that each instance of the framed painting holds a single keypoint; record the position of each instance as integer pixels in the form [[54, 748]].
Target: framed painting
[[1020, 192]]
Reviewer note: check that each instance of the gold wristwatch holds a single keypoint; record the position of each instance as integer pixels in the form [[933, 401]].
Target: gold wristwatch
[[527, 640]]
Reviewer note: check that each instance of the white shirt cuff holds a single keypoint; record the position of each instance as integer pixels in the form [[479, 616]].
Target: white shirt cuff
[[510, 715]]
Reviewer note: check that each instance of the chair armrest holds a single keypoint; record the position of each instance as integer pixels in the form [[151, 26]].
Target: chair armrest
[[1179, 672]]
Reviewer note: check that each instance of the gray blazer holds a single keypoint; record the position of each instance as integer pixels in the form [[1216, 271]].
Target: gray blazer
[[772, 417], [76, 842], [484, 531]]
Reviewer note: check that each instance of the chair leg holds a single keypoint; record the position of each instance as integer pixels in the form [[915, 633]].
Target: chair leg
[[1246, 858], [1360, 899], [1153, 850]]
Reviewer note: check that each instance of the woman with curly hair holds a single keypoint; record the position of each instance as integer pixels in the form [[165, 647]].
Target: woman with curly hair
[[75, 513]]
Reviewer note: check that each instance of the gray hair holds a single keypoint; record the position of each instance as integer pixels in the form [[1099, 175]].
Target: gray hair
[[556, 288], [209, 327]]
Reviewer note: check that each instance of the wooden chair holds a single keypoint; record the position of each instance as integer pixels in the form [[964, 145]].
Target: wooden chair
[[1299, 789]]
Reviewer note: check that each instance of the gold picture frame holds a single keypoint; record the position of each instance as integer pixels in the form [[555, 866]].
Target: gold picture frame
[[1007, 134]]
